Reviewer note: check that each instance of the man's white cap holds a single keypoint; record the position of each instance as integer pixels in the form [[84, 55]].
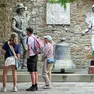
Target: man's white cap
[[48, 37], [92, 6]]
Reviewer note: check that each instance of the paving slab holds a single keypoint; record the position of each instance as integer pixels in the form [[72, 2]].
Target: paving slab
[[57, 88]]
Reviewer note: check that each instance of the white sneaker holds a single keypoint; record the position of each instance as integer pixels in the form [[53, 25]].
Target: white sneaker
[[3, 89], [15, 89], [47, 87]]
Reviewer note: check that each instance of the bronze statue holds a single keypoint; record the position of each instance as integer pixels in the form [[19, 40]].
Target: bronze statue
[[19, 25], [90, 22]]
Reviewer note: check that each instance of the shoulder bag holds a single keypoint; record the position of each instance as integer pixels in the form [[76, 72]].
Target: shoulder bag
[[50, 60], [16, 59]]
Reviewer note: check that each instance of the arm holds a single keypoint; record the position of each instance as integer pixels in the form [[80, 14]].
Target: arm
[[89, 23], [3, 51], [18, 56], [46, 51], [18, 52], [44, 55], [89, 26], [29, 45], [4, 48], [87, 30], [14, 27]]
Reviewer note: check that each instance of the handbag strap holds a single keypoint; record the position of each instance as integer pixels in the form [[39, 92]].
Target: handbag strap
[[12, 49], [32, 48], [34, 44], [37, 42]]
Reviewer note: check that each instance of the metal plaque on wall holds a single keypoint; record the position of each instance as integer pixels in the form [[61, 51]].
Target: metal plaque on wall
[[56, 14]]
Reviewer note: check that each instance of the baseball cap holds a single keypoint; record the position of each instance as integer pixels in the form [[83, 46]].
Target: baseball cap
[[48, 37]]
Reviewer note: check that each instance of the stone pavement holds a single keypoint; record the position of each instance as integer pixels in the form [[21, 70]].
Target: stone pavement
[[57, 88]]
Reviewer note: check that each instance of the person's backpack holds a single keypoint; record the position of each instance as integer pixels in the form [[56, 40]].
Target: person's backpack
[[38, 46]]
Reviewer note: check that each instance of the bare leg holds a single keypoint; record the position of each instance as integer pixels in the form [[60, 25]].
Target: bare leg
[[36, 77], [32, 88], [33, 77], [5, 70], [14, 74]]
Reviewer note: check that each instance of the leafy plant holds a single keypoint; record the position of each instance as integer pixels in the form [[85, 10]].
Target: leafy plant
[[61, 2]]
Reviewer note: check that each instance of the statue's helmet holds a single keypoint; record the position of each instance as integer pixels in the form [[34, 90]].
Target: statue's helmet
[[20, 6]]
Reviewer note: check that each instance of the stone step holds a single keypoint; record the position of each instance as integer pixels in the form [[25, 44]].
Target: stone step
[[25, 77]]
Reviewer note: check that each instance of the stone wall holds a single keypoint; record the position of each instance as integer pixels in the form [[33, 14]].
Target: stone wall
[[80, 45]]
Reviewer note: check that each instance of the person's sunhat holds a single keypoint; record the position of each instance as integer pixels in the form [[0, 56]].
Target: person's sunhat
[[48, 37]]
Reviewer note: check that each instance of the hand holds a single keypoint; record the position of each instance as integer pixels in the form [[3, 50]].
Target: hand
[[15, 57], [86, 30], [43, 58], [83, 34], [24, 34]]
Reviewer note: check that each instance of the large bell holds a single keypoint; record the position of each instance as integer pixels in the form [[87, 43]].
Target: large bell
[[63, 57]]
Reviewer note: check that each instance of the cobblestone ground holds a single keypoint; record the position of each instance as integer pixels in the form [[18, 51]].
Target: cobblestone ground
[[57, 88]]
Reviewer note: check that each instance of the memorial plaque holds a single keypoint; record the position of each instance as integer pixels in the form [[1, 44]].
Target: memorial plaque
[[56, 14]]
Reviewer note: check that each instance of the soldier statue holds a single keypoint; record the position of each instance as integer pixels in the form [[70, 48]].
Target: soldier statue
[[90, 21], [19, 25]]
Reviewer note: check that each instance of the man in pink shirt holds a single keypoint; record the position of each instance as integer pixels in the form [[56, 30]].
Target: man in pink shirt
[[32, 60], [47, 67]]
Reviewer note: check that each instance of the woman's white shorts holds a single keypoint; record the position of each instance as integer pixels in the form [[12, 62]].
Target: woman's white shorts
[[10, 61]]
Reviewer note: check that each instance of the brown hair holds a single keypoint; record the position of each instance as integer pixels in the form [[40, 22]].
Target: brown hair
[[13, 36]]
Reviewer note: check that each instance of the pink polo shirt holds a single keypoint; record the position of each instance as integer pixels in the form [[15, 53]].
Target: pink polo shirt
[[48, 50]]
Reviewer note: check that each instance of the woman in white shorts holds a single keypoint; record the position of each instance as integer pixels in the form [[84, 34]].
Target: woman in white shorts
[[10, 60]]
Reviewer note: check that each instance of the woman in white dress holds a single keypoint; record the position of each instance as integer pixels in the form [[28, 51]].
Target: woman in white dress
[[10, 60]]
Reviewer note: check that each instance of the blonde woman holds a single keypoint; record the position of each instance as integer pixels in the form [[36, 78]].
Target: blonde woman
[[10, 60]]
